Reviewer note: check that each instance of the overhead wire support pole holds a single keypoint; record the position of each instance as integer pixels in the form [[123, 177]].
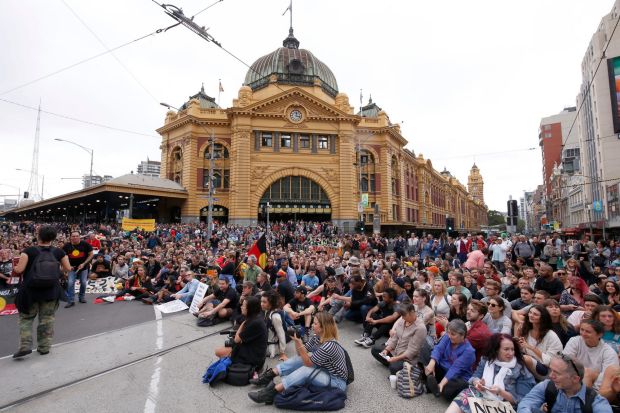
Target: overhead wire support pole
[[210, 206]]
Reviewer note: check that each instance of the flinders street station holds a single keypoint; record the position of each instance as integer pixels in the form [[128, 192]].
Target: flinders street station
[[293, 141]]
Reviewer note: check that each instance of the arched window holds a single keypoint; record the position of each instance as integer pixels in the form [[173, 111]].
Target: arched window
[[221, 166], [395, 177], [219, 151], [176, 165], [367, 171]]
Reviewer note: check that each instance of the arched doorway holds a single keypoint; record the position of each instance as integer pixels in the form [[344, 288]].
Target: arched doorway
[[297, 198], [220, 214]]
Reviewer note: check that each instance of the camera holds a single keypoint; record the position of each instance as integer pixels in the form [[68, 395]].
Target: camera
[[230, 340], [294, 331]]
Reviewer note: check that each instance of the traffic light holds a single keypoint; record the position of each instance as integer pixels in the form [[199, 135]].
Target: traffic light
[[359, 226], [26, 195], [449, 224]]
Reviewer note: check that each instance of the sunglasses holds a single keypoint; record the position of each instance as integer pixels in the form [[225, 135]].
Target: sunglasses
[[493, 305], [561, 273]]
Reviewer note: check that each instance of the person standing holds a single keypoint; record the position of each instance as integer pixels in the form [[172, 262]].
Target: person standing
[[80, 255], [39, 291]]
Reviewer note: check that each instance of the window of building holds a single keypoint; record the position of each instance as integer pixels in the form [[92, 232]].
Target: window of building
[[304, 141], [285, 141], [221, 179], [323, 142], [266, 139], [367, 171], [219, 152]]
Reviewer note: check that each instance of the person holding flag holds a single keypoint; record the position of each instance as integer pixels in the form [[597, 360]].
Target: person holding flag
[[259, 252]]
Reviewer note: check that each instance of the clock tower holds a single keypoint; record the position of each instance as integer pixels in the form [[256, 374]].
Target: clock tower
[[475, 184]]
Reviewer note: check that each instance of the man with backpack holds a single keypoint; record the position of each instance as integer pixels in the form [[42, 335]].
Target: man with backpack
[[39, 291], [564, 391]]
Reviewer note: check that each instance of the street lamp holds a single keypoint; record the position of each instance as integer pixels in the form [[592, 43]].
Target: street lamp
[[42, 179], [589, 208], [211, 167], [89, 150]]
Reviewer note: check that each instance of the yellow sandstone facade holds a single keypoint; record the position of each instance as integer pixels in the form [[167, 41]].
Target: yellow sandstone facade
[[291, 139]]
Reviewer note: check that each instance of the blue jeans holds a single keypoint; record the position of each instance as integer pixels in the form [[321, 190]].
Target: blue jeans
[[358, 315], [293, 373], [71, 284]]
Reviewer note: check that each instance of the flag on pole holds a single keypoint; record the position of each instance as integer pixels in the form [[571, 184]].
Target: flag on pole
[[290, 7], [221, 88], [259, 250]]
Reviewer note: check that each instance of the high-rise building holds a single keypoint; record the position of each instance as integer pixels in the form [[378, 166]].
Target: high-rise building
[[552, 134], [598, 122], [150, 168]]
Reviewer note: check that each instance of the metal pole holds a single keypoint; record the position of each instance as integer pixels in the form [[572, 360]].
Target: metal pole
[[210, 206], [130, 206], [268, 207], [92, 151], [590, 219], [42, 186]]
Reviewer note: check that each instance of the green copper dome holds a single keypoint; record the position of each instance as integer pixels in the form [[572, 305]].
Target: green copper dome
[[291, 65]]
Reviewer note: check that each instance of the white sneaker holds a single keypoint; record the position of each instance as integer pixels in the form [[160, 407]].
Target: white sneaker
[[368, 342], [360, 341]]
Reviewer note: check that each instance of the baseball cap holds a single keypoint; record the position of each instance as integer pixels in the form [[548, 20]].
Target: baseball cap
[[301, 289]]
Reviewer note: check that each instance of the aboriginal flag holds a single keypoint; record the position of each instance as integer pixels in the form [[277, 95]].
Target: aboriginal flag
[[259, 250]]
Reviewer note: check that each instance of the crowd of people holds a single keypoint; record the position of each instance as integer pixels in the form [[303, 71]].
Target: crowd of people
[[505, 318]]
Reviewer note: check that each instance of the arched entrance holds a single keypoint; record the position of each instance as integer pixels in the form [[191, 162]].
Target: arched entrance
[[220, 214], [295, 197]]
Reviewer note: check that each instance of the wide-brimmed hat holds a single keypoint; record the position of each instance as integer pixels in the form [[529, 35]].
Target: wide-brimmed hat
[[354, 261]]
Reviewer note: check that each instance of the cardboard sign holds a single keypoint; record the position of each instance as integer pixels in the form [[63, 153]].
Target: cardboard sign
[[480, 405], [198, 296], [172, 306]]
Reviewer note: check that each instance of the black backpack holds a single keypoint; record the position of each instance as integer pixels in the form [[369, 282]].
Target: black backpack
[[44, 272], [350, 372], [551, 393]]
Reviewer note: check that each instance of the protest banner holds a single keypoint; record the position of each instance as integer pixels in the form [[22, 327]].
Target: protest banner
[[172, 306], [144, 224], [198, 296]]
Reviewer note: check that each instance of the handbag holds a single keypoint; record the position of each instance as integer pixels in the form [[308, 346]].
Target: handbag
[[239, 374], [307, 397], [408, 382]]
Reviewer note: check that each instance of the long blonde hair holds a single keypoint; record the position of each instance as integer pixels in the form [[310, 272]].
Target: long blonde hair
[[329, 330]]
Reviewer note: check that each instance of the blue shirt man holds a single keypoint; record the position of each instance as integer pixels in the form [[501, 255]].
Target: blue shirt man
[[567, 375]]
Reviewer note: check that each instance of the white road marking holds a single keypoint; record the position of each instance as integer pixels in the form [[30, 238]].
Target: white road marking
[[151, 399]]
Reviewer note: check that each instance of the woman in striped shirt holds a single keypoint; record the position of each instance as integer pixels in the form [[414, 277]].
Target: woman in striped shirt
[[322, 352]]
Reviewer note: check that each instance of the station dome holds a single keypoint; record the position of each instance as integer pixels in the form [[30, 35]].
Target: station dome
[[293, 66]]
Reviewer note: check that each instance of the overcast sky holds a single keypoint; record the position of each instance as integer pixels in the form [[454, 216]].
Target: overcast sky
[[467, 78]]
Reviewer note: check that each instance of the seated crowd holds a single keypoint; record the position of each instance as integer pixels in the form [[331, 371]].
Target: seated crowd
[[473, 321]]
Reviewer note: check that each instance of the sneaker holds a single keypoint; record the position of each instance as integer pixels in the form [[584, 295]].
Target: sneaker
[[22, 353], [360, 341], [368, 342], [69, 305]]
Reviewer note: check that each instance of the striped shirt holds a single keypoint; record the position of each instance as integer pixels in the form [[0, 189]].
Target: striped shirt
[[329, 356]]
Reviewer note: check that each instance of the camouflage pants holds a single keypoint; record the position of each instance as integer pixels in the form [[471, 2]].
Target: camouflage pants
[[45, 328]]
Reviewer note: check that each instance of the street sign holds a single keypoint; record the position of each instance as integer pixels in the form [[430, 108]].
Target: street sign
[[597, 206]]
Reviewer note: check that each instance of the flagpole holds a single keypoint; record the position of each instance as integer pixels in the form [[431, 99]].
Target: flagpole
[[219, 91]]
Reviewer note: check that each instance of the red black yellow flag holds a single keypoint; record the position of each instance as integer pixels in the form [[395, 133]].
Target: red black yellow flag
[[259, 250]]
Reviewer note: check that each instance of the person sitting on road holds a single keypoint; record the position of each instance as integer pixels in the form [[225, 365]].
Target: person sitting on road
[[300, 309], [478, 333], [496, 319], [325, 291], [217, 306], [451, 362], [570, 392], [407, 343], [538, 341], [250, 341], [501, 375], [589, 348], [138, 285], [322, 351], [382, 317], [356, 303], [186, 294], [276, 336], [100, 268]]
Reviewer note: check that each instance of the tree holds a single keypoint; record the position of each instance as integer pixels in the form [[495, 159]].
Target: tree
[[520, 226], [496, 218]]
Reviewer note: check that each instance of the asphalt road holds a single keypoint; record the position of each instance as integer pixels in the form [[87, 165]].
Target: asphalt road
[[157, 365], [79, 321]]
